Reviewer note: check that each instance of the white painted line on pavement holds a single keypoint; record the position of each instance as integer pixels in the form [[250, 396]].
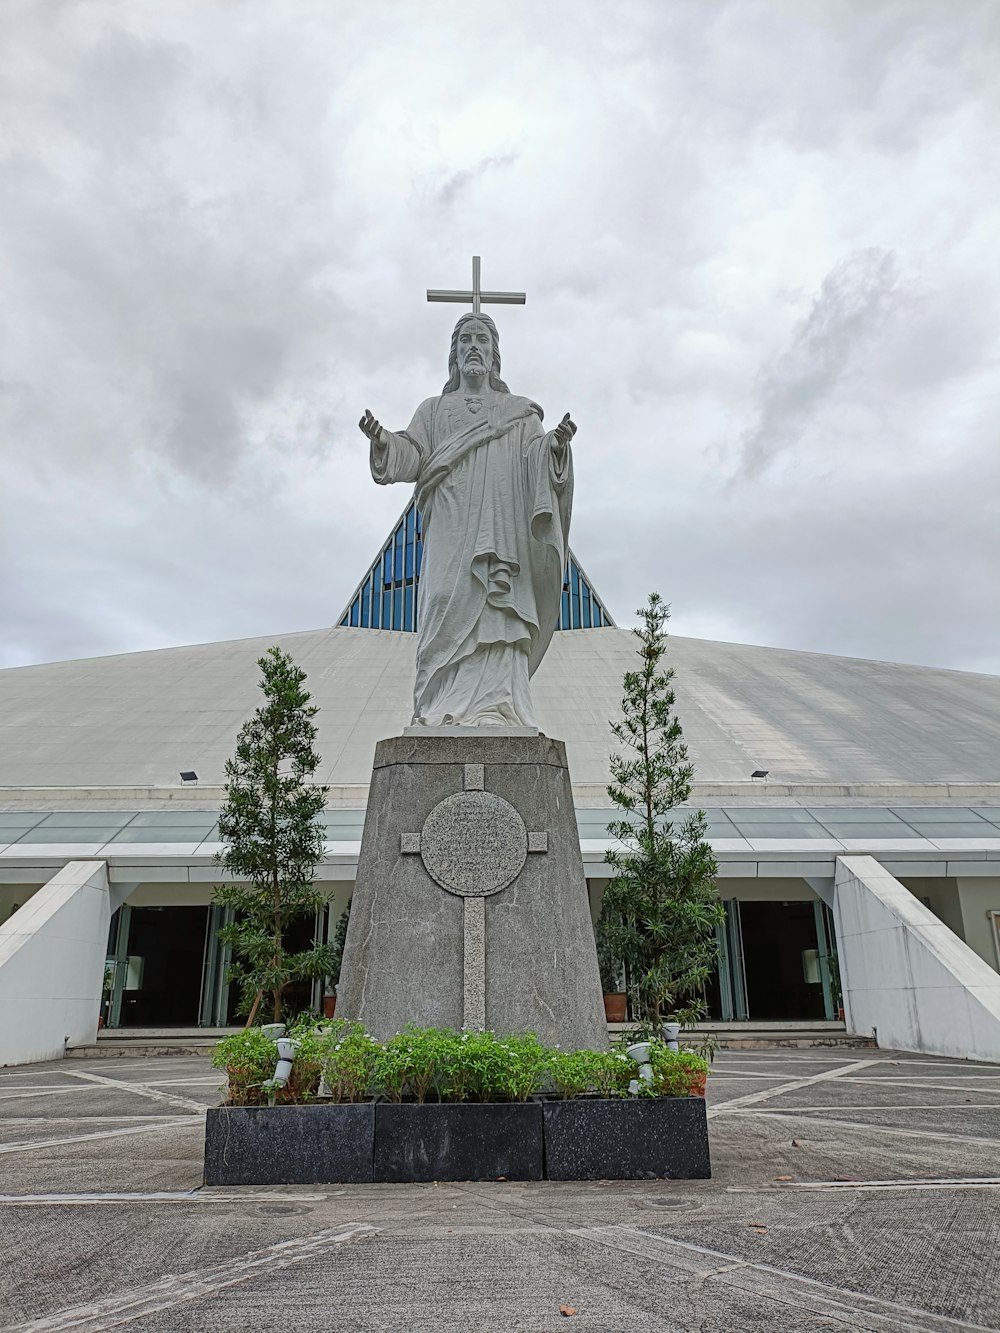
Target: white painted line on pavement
[[99, 1134], [169, 1292], [903, 1106], [141, 1090], [780, 1286], [154, 1196], [866, 1128], [43, 1092], [932, 1085], [752, 1097], [942, 1183], [149, 1119]]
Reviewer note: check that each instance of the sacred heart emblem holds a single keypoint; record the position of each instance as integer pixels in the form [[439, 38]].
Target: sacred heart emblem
[[474, 405]]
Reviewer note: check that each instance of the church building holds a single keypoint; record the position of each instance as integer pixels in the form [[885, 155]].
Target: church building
[[853, 806]]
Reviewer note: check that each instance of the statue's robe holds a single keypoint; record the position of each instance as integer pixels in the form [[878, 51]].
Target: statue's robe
[[495, 491]]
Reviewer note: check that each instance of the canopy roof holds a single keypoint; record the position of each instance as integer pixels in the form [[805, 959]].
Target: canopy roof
[[140, 719]]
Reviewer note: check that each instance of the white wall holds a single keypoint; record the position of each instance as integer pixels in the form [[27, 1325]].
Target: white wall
[[907, 974], [52, 953]]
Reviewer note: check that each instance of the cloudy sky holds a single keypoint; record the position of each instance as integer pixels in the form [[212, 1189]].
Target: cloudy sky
[[759, 241]]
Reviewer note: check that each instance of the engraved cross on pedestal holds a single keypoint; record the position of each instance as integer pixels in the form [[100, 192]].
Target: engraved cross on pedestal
[[476, 296], [473, 844]]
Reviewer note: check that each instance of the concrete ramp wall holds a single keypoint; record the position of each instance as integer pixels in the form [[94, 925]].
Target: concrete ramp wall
[[908, 975], [52, 954]]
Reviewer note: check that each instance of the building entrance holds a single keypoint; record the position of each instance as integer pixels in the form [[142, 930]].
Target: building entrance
[[155, 966], [775, 963], [167, 967], [783, 961]]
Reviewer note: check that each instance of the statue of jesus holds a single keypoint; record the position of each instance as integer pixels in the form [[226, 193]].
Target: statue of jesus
[[495, 490]]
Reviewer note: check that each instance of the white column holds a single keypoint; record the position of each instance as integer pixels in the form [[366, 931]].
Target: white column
[[52, 954]]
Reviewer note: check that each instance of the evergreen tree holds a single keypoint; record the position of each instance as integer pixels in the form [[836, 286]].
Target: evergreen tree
[[273, 840], [658, 919]]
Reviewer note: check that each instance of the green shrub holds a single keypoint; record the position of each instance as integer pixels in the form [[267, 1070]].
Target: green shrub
[[438, 1063], [677, 1073], [348, 1062], [249, 1058], [482, 1067], [577, 1073], [412, 1063]]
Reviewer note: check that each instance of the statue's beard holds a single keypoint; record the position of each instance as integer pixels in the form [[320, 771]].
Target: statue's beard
[[474, 365]]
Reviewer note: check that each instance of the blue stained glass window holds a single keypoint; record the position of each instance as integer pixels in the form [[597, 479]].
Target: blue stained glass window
[[389, 598]]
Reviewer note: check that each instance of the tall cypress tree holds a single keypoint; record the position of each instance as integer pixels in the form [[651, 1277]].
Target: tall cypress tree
[[660, 910], [274, 842]]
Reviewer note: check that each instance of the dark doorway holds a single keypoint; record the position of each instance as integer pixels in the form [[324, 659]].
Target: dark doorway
[[781, 957], [166, 951]]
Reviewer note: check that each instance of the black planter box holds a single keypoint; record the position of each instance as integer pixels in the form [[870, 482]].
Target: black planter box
[[458, 1141], [586, 1139], [290, 1145], [639, 1138]]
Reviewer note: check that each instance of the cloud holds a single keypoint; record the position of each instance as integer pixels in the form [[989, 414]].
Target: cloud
[[855, 303], [758, 245]]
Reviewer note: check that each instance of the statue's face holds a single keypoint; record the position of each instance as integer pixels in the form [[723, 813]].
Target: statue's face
[[475, 348]]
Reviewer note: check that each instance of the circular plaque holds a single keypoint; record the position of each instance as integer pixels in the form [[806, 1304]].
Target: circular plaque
[[474, 843]]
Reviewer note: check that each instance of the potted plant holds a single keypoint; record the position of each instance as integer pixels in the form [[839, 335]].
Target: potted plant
[[615, 998]]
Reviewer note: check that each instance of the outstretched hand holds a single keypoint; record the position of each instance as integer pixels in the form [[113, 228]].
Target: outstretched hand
[[371, 427], [565, 431]]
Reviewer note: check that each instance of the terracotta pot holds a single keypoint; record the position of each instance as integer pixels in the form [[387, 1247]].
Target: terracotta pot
[[696, 1088], [329, 1006], [614, 1006]]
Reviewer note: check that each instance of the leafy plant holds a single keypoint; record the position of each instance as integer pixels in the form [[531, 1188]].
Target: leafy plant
[[249, 1058], [677, 1073], [421, 1063], [348, 1061], [412, 1063], [577, 1073], [273, 842], [660, 909]]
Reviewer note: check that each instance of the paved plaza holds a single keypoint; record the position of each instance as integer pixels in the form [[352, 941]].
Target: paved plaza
[[852, 1190]]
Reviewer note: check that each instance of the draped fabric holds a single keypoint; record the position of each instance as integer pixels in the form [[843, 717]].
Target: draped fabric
[[495, 491]]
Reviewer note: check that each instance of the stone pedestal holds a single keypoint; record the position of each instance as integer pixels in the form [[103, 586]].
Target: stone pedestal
[[470, 906]]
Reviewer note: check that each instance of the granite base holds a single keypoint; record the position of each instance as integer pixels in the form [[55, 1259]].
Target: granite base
[[644, 1138], [470, 904], [458, 1141], [290, 1145]]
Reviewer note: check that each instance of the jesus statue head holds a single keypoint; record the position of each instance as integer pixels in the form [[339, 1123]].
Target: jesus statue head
[[474, 324]]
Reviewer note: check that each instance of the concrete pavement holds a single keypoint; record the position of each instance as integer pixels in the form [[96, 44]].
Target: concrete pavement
[[852, 1190]]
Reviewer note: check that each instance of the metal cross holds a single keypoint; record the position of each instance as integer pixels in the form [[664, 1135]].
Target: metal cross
[[476, 296]]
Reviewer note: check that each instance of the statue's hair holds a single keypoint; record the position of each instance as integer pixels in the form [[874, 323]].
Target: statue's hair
[[454, 378]]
